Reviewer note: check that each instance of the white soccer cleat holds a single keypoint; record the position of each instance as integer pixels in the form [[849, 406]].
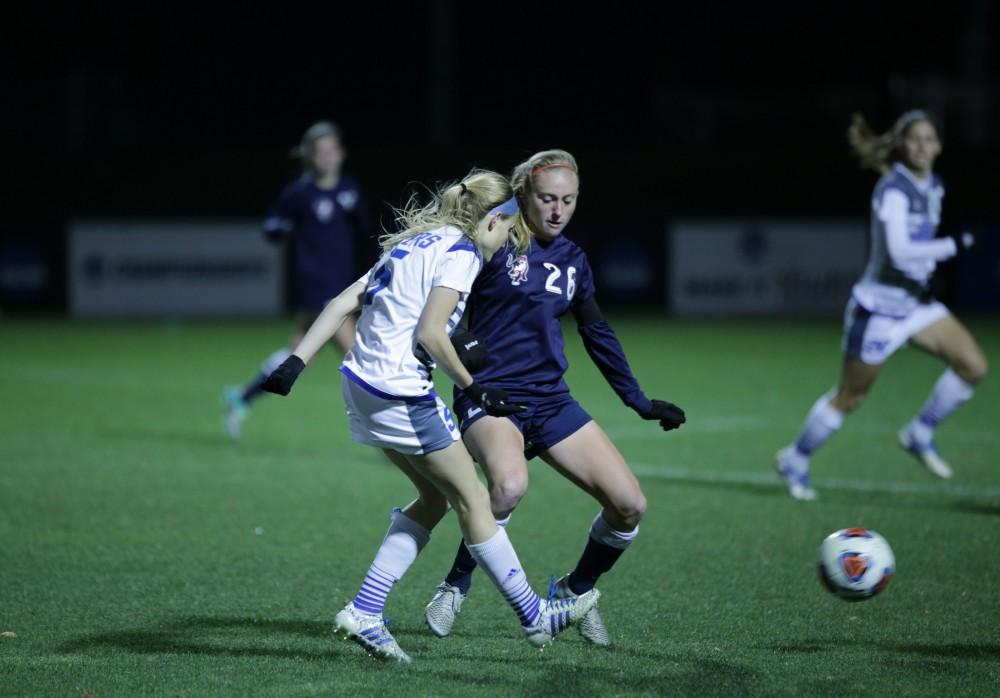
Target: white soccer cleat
[[590, 626], [369, 631], [795, 475], [440, 613], [927, 454], [555, 615], [236, 411]]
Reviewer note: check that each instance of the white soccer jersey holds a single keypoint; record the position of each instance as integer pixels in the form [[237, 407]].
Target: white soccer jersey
[[903, 249], [385, 355]]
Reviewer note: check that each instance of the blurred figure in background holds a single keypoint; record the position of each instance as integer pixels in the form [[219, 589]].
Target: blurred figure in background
[[324, 217], [891, 304]]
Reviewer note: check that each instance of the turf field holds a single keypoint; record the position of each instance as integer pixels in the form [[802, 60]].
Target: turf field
[[143, 553]]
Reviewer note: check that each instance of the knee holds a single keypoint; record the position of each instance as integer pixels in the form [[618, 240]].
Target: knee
[[973, 371], [628, 511], [506, 491]]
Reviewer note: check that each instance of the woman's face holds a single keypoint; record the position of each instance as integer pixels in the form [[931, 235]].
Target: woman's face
[[550, 204], [920, 147], [327, 156]]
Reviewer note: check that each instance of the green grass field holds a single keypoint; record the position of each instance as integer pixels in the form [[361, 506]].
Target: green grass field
[[143, 553]]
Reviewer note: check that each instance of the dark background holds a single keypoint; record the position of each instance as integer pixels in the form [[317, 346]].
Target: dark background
[[673, 111]]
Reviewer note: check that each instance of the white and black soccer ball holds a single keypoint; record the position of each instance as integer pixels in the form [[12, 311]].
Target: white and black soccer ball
[[855, 563]]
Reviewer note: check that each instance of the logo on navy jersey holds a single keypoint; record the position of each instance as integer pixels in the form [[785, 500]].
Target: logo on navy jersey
[[517, 269], [347, 199], [324, 209]]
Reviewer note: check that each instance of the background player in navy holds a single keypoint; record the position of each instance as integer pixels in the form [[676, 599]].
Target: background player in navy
[[324, 217], [515, 307], [891, 303]]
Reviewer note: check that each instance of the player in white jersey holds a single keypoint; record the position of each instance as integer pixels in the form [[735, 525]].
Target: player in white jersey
[[410, 303], [891, 303]]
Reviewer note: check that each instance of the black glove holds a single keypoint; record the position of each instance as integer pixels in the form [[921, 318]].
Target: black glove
[[492, 400], [281, 380], [964, 241], [670, 415], [471, 350]]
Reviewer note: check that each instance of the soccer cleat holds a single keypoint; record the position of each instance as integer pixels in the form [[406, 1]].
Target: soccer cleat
[[440, 613], [555, 615], [927, 454], [796, 476], [591, 626], [369, 631], [236, 411]]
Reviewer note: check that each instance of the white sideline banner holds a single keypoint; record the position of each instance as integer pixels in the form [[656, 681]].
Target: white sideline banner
[[177, 268], [763, 267]]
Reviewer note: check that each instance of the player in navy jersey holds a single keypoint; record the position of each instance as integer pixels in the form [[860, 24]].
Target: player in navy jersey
[[891, 303], [410, 302], [324, 217], [515, 308]]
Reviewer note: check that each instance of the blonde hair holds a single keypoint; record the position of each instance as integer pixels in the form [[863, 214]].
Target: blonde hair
[[878, 151], [461, 205], [523, 176]]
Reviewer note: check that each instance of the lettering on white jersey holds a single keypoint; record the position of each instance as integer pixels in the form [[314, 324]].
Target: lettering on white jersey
[[517, 269]]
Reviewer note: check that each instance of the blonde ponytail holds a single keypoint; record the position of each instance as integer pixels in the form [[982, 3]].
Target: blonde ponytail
[[461, 205]]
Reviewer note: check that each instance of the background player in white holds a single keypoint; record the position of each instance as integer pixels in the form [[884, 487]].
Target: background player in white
[[324, 218], [410, 302], [891, 303], [515, 308]]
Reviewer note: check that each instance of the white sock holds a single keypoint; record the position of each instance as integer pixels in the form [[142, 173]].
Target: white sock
[[402, 543], [601, 531], [822, 423], [950, 392], [497, 558]]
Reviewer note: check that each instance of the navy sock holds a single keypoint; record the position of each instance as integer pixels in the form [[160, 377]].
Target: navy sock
[[252, 390], [461, 570], [597, 559]]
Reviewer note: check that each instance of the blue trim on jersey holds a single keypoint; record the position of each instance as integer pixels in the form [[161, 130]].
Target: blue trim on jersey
[[466, 246], [409, 400]]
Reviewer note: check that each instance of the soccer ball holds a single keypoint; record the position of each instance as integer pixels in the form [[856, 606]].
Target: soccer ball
[[855, 563]]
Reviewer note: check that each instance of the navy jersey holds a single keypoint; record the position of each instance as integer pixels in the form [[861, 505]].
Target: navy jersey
[[325, 228], [515, 306]]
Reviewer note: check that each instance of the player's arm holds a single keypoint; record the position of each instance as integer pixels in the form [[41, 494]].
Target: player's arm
[[319, 333], [432, 335], [329, 321], [606, 352], [276, 229], [893, 212], [280, 222]]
